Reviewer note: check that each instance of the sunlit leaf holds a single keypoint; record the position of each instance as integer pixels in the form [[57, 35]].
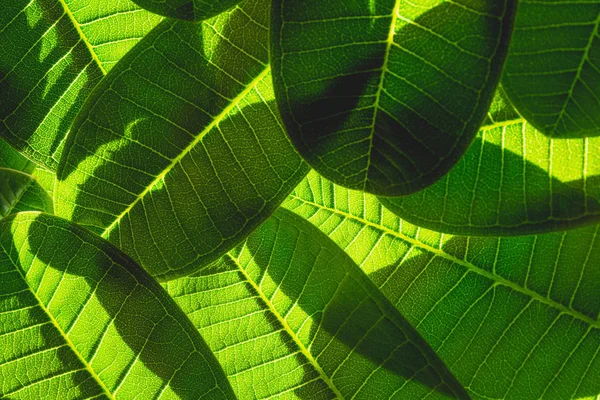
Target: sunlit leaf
[[21, 192], [193, 10], [512, 180], [79, 319], [385, 96], [553, 70], [180, 152], [10, 158], [511, 317], [53, 53], [290, 314]]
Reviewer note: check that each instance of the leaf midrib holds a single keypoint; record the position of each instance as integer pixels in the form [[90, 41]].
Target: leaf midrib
[[190, 147], [287, 328], [388, 47], [82, 35], [471, 267]]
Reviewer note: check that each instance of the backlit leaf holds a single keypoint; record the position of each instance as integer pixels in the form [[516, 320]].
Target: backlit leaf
[[288, 313], [512, 180], [553, 70], [511, 317], [386, 95], [79, 319], [193, 10], [180, 152], [21, 192], [53, 53]]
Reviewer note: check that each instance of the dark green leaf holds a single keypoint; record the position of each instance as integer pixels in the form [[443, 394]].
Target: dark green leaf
[[513, 180], [514, 318], [10, 158], [21, 192], [385, 96], [53, 52], [79, 319], [552, 73], [193, 10], [180, 152], [307, 322]]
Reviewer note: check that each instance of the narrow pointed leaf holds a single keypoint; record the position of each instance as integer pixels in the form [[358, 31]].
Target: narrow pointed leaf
[[53, 53], [180, 152], [21, 192], [79, 319], [192, 10], [385, 96], [10, 158], [307, 322], [553, 70], [512, 317], [513, 180]]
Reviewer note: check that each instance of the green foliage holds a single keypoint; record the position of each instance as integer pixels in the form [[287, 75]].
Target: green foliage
[[170, 152]]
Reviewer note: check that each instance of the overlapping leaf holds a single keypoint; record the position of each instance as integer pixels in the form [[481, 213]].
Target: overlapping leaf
[[53, 53], [512, 180], [180, 153], [193, 10], [512, 317], [288, 313], [79, 319], [553, 70], [385, 96], [21, 192], [10, 158]]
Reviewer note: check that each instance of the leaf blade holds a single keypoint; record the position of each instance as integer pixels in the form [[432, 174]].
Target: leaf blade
[[513, 180], [108, 337], [211, 159], [393, 115], [495, 302], [312, 304], [191, 10], [21, 192]]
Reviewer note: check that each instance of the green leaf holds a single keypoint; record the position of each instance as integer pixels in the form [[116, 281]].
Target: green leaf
[[180, 152], [53, 53], [46, 179], [10, 158], [21, 192], [513, 180], [304, 319], [511, 317], [385, 96], [552, 73], [79, 319], [192, 10]]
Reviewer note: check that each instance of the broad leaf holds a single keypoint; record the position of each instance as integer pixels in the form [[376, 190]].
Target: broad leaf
[[512, 180], [79, 319], [21, 192], [46, 179], [385, 96], [180, 153], [512, 317], [553, 70], [53, 53], [10, 158], [305, 320], [193, 10]]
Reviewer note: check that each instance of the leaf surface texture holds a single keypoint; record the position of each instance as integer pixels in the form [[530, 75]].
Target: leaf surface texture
[[553, 70], [180, 152], [192, 10], [53, 53], [84, 321], [307, 322], [385, 96], [21, 192], [513, 180], [512, 317]]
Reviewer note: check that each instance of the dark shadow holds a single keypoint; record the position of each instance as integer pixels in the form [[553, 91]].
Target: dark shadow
[[29, 90], [226, 185], [190, 10], [149, 323], [521, 209], [343, 303], [426, 119], [471, 311]]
